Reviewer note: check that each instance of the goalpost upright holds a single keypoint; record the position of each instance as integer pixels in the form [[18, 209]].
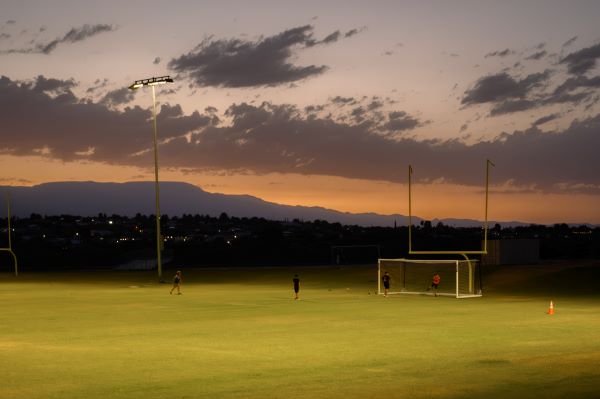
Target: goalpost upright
[[9, 249]]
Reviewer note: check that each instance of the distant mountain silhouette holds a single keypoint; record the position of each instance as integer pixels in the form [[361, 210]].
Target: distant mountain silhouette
[[127, 199]]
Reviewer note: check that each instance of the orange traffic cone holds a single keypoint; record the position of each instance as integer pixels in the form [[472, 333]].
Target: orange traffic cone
[[551, 308]]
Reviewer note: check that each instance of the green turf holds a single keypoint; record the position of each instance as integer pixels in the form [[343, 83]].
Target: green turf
[[239, 334]]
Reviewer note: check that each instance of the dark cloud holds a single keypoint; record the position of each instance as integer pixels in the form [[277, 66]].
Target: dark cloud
[[343, 100], [310, 109], [375, 104], [399, 121], [537, 56], [351, 33], [545, 119], [578, 82], [281, 138], [11, 22], [502, 86], [355, 31], [98, 84], [4, 36], [582, 61], [242, 63], [331, 38], [67, 126], [85, 31], [510, 106], [72, 36], [156, 61], [43, 84], [507, 94], [500, 53], [119, 96], [272, 138], [569, 42]]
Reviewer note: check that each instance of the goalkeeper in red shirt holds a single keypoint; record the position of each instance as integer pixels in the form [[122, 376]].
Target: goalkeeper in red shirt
[[435, 282]]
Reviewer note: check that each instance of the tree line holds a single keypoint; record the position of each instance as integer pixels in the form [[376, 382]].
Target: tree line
[[73, 242]]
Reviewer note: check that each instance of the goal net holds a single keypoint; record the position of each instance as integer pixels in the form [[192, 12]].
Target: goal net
[[458, 278]]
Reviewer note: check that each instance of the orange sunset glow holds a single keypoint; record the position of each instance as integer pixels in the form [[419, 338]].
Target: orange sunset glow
[[298, 105]]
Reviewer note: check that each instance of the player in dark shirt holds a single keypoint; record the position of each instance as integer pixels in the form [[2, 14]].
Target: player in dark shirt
[[177, 283], [386, 283], [296, 281]]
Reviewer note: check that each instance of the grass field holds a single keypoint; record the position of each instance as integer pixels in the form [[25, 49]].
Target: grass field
[[239, 334]]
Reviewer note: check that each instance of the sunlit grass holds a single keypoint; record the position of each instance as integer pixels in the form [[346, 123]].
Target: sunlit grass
[[239, 334]]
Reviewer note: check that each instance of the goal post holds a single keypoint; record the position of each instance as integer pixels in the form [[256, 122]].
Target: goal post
[[9, 231], [458, 278]]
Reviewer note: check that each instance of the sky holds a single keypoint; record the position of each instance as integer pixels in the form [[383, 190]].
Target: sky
[[315, 103]]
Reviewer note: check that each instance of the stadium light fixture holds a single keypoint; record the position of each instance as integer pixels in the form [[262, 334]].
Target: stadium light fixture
[[151, 82], [136, 85]]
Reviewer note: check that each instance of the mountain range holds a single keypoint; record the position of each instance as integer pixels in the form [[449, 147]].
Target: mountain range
[[176, 198]]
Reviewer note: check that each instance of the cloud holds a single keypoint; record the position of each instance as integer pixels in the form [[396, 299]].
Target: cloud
[[502, 86], [537, 56], [119, 96], [510, 106], [243, 63], [351, 33], [43, 84], [276, 138], [4, 36], [507, 94], [343, 100], [156, 61], [67, 127], [98, 84], [578, 82], [582, 61], [569, 42], [399, 121], [331, 38], [72, 36], [545, 119], [500, 53], [281, 138]]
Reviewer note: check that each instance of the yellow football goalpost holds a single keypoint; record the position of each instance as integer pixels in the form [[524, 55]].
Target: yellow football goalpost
[[464, 253], [9, 249]]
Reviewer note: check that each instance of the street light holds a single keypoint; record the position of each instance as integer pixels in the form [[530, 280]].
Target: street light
[[136, 85]]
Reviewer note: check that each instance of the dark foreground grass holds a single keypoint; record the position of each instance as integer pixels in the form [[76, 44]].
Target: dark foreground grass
[[239, 334]]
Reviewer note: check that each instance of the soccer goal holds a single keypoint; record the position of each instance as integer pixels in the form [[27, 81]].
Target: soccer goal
[[458, 278]]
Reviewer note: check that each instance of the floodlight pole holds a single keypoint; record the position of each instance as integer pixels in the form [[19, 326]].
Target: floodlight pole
[[154, 82], [487, 184], [410, 171], [156, 189]]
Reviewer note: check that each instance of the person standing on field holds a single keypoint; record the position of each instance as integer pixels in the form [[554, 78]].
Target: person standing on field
[[386, 283], [435, 282], [176, 283], [296, 282]]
